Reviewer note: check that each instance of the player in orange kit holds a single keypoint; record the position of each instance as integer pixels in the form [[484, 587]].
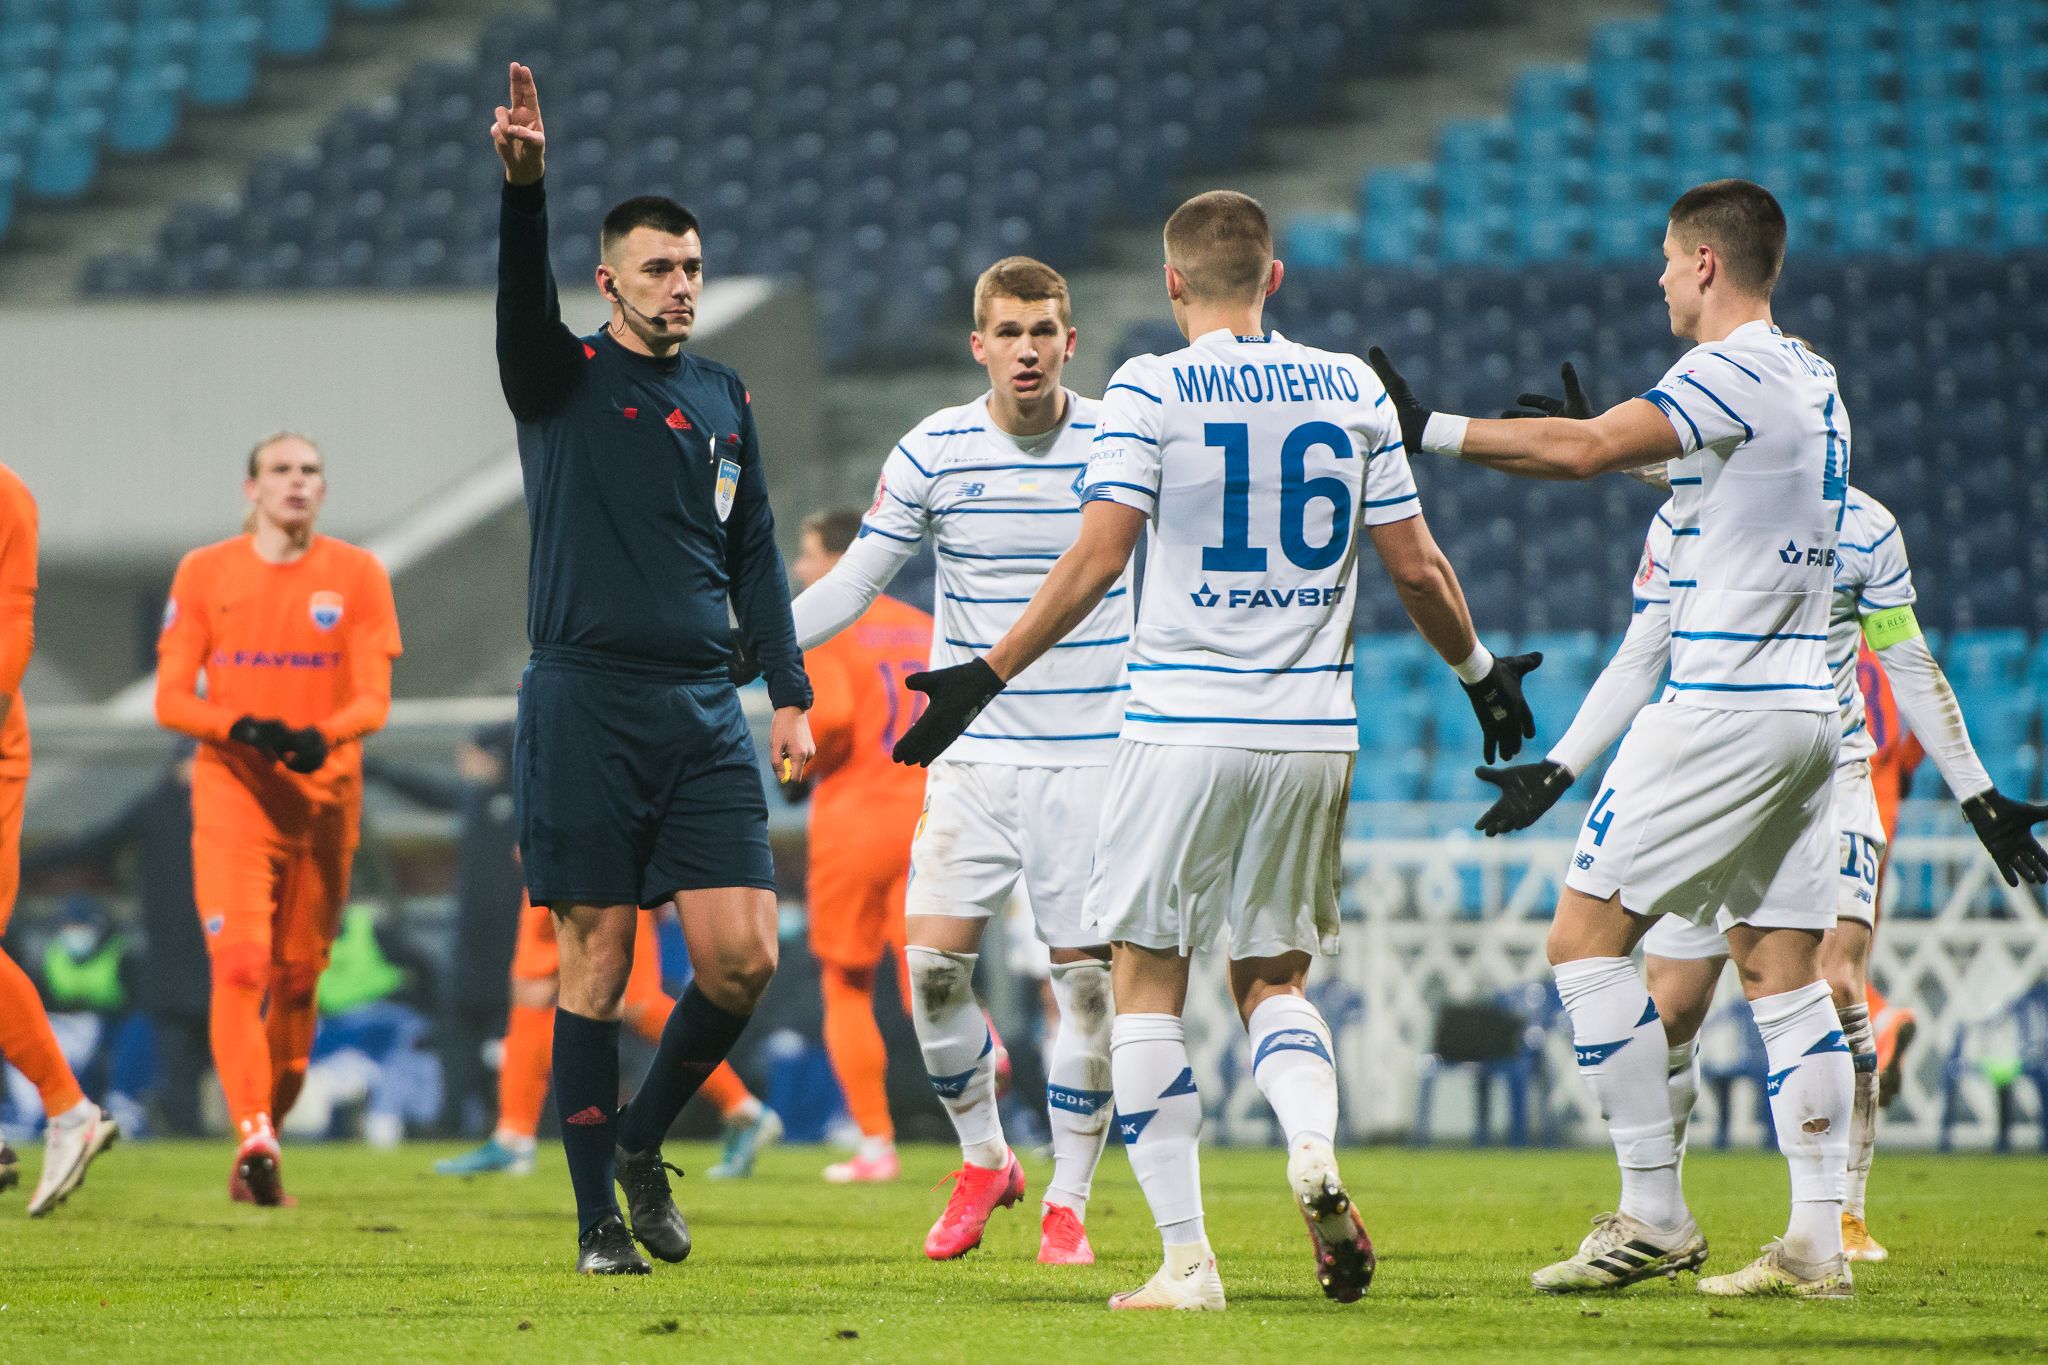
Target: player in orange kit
[[527, 1062], [296, 633], [1891, 773], [78, 1129], [864, 812]]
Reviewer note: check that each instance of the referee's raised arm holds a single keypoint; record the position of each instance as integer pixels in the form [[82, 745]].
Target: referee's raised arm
[[538, 357]]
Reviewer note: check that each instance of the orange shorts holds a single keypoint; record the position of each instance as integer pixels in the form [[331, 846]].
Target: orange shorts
[[283, 893], [12, 789], [536, 956], [856, 894]]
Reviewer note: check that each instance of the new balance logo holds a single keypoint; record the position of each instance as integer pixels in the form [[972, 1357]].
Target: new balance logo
[[1582, 861], [1775, 1082], [1595, 1053], [593, 1117]]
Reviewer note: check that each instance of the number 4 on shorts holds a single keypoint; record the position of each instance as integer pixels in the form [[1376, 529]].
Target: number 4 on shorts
[[1598, 822]]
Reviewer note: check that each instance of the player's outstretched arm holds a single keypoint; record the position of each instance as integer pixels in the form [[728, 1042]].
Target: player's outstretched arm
[[1537, 447], [539, 359], [1429, 589], [849, 587], [2004, 825], [1624, 687], [1075, 587]]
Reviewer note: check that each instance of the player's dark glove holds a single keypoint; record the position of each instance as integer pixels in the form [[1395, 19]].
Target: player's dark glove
[[1572, 405], [743, 666], [1527, 790], [957, 696], [2006, 828], [303, 751], [266, 737], [1408, 408], [1504, 717]]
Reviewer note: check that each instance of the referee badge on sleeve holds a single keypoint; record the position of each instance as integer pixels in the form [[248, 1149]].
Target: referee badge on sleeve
[[728, 484]]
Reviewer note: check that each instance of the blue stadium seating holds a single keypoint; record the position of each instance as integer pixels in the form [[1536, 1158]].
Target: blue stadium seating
[[1886, 126], [862, 146], [83, 78]]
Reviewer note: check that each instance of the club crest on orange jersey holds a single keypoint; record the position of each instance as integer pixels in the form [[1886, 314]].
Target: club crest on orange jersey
[[326, 609]]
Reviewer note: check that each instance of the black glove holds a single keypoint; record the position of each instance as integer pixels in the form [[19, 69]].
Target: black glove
[[266, 737], [2006, 827], [1572, 405], [1526, 791], [303, 751], [1497, 701], [742, 666], [957, 696], [1407, 407]]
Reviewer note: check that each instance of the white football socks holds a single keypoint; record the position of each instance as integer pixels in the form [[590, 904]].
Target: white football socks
[[1077, 1088], [1810, 1085], [1159, 1118], [1862, 1040], [1292, 1063], [959, 1055], [1682, 1085], [1621, 1052]]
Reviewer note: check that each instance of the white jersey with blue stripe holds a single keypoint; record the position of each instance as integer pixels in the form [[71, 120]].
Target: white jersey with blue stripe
[[1257, 459], [1871, 575], [1757, 503], [1000, 510]]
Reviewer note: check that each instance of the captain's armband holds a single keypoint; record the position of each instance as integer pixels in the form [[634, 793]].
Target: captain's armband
[[1883, 629]]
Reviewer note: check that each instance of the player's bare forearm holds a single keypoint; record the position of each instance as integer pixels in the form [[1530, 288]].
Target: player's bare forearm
[[1075, 587], [1626, 436], [1428, 587]]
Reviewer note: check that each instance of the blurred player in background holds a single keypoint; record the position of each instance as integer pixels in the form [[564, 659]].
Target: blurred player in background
[[995, 484], [526, 1059], [1872, 606], [864, 813], [295, 633], [77, 1129], [1224, 813], [634, 773]]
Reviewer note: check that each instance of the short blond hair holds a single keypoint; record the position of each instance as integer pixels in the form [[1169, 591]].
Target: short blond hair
[[1221, 242], [1025, 280]]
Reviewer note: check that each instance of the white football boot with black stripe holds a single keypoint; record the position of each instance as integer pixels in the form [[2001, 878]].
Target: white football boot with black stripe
[[1621, 1250]]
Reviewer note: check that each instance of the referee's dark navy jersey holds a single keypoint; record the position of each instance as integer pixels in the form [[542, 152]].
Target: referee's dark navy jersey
[[644, 489]]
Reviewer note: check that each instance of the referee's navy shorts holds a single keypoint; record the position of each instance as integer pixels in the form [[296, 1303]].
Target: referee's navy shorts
[[629, 788]]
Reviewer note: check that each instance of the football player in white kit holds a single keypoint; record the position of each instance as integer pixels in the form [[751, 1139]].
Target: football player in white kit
[[1873, 601], [1721, 798], [1253, 458], [995, 486]]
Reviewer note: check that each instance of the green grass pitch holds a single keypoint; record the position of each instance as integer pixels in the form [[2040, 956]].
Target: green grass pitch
[[386, 1261]]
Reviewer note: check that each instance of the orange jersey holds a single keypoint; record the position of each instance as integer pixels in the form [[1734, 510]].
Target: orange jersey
[[309, 643], [17, 614], [860, 709], [1898, 749]]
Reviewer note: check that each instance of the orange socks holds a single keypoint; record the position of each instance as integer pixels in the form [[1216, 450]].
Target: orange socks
[[288, 1027], [524, 1067], [854, 1042], [27, 1042], [241, 1045], [1875, 999]]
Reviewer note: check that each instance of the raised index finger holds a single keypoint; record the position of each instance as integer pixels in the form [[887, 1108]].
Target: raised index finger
[[524, 96]]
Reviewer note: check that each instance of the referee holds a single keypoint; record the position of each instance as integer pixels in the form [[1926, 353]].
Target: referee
[[633, 771]]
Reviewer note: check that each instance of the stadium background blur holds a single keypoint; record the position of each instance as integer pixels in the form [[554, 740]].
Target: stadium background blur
[[224, 217]]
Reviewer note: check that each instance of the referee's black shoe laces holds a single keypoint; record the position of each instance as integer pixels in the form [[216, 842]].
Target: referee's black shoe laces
[[657, 1223]]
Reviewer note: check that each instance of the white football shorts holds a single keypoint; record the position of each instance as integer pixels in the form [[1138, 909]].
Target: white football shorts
[[987, 827], [1861, 845], [1205, 841], [1706, 810]]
